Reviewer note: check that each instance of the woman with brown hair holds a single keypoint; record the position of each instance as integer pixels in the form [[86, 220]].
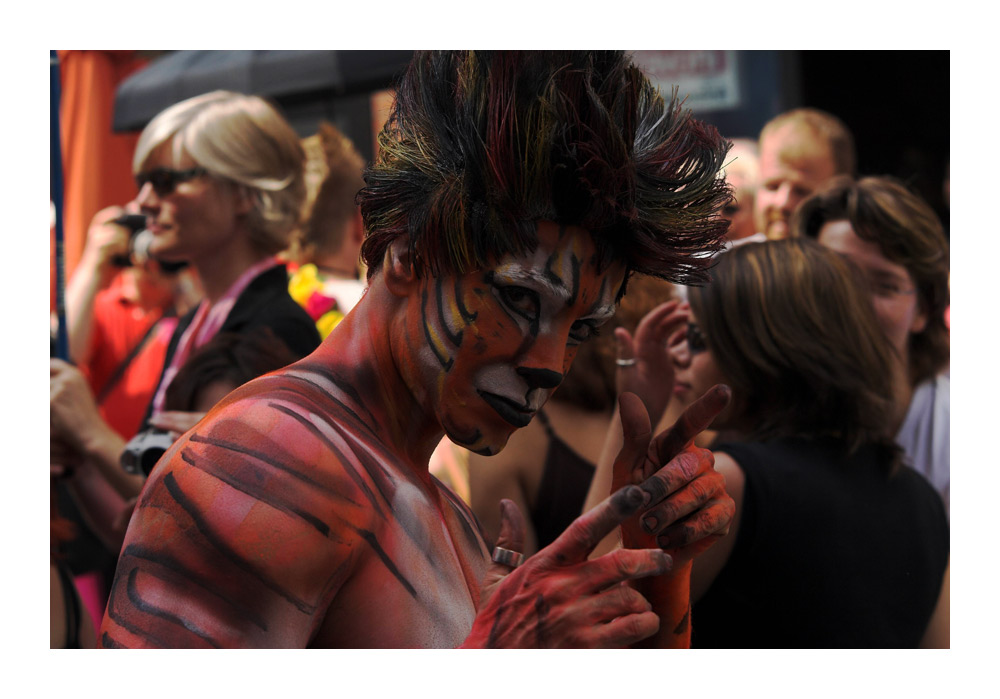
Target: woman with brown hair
[[899, 243], [833, 544]]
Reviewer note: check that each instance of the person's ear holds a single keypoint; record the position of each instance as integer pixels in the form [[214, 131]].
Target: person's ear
[[919, 323], [357, 230], [398, 269], [244, 200]]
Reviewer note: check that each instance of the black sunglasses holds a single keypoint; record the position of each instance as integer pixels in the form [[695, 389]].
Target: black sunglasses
[[165, 180], [695, 340]]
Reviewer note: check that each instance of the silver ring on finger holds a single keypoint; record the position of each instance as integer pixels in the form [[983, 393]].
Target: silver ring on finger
[[507, 557]]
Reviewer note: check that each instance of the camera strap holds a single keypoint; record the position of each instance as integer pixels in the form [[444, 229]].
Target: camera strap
[[123, 366]]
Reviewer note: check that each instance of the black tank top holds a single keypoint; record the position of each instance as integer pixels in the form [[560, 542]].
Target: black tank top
[[831, 553], [563, 488]]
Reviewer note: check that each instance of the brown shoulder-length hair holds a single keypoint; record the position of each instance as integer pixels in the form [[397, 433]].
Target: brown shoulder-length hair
[[792, 331], [908, 232]]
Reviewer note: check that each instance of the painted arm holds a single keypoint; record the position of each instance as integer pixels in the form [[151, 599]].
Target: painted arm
[[236, 540], [688, 509]]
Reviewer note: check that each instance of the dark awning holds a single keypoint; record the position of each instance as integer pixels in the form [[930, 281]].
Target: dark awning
[[274, 74]]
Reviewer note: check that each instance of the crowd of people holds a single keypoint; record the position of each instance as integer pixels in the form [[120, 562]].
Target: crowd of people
[[307, 401]]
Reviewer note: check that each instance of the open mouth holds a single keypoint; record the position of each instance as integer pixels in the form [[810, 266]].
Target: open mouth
[[515, 413]]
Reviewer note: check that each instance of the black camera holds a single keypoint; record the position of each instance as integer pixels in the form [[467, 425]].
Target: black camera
[[136, 223], [144, 450]]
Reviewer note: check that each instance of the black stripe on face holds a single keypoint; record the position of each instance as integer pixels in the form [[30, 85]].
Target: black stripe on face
[[455, 338], [445, 361], [554, 277], [489, 279], [467, 315]]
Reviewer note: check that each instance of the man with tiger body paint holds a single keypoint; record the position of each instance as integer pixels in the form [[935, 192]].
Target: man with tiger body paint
[[513, 195]]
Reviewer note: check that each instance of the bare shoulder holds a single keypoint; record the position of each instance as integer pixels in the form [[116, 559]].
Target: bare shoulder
[[730, 469], [245, 530]]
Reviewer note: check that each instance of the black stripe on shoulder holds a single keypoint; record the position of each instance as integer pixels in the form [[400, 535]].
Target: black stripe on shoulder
[[175, 572], [259, 493], [343, 385], [225, 550], [116, 616], [471, 525], [345, 462], [108, 642], [377, 548], [295, 469], [142, 605]]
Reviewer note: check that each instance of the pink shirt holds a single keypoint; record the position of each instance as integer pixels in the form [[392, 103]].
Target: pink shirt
[[207, 321]]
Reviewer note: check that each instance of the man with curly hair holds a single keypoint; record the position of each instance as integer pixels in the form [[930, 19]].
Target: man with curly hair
[[514, 194]]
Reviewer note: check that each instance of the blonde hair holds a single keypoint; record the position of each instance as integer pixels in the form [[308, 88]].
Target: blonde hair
[[814, 127], [334, 176], [243, 140]]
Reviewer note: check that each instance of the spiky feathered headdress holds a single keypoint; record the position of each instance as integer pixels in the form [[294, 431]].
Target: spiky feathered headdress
[[480, 145]]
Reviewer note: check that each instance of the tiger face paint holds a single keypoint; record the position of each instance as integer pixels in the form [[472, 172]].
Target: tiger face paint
[[491, 346]]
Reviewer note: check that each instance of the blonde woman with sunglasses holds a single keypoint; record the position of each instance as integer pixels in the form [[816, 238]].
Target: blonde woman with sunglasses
[[220, 180]]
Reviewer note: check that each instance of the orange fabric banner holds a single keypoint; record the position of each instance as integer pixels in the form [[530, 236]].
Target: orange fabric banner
[[97, 163]]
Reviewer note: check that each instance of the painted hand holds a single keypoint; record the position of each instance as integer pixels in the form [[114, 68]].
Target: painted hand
[[559, 598], [688, 508], [652, 376]]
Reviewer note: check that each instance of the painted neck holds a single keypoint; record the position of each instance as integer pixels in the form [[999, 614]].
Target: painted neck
[[362, 347]]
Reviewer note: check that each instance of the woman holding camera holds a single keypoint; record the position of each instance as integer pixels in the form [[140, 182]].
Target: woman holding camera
[[220, 181]]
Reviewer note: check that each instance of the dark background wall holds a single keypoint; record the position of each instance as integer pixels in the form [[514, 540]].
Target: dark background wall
[[897, 104]]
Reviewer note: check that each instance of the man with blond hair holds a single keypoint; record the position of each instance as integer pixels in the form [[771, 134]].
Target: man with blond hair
[[800, 150]]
